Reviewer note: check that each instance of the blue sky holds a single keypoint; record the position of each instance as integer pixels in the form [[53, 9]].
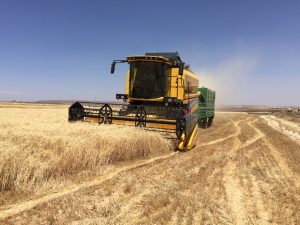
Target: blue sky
[[249, 51]]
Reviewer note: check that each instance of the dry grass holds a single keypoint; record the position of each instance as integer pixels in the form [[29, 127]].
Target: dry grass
[[38, 145]]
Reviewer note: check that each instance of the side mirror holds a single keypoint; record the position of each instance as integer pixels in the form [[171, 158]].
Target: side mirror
[[113, 65], [181, 68]]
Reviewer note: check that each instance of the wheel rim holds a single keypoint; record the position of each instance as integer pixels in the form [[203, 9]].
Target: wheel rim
[[140, 117], [105, 114]]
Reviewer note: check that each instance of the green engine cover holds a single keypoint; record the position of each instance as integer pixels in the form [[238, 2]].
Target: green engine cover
[[206, 108]]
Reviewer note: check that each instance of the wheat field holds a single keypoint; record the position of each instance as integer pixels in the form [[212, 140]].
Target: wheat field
[[40, 148], [245, 169]]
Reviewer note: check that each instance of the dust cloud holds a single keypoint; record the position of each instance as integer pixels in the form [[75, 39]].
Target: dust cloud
[[230, 79]]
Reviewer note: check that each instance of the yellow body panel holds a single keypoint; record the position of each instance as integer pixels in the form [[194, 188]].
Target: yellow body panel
[[146, 99], [188, 142], [187, 79]]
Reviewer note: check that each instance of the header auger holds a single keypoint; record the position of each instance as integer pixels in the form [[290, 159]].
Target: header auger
[[160, 92]]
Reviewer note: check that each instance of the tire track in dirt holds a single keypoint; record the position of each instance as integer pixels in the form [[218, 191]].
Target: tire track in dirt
[[234, 191], [235, 134], [253, 199], [135, 200], [217, 141], [17, 208], [231, 183], [280, 160], [263, 214], [235, 195], [275, 167], [258, 135]]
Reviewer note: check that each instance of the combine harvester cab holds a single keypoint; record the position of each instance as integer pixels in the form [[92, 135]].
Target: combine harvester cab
[[161, 93]]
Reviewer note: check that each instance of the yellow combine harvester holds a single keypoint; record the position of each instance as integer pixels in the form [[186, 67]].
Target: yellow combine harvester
[[161, 93]]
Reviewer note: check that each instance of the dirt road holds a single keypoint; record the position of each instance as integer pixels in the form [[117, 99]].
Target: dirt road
[[243, 171]]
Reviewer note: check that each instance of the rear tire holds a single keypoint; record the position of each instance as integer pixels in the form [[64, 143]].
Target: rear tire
[[203, 123], [210, 121]]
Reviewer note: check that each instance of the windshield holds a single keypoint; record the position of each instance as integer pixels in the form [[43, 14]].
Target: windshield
[[147, 80]]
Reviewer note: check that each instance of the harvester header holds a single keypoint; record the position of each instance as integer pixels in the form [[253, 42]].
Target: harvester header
[[160, 92]]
